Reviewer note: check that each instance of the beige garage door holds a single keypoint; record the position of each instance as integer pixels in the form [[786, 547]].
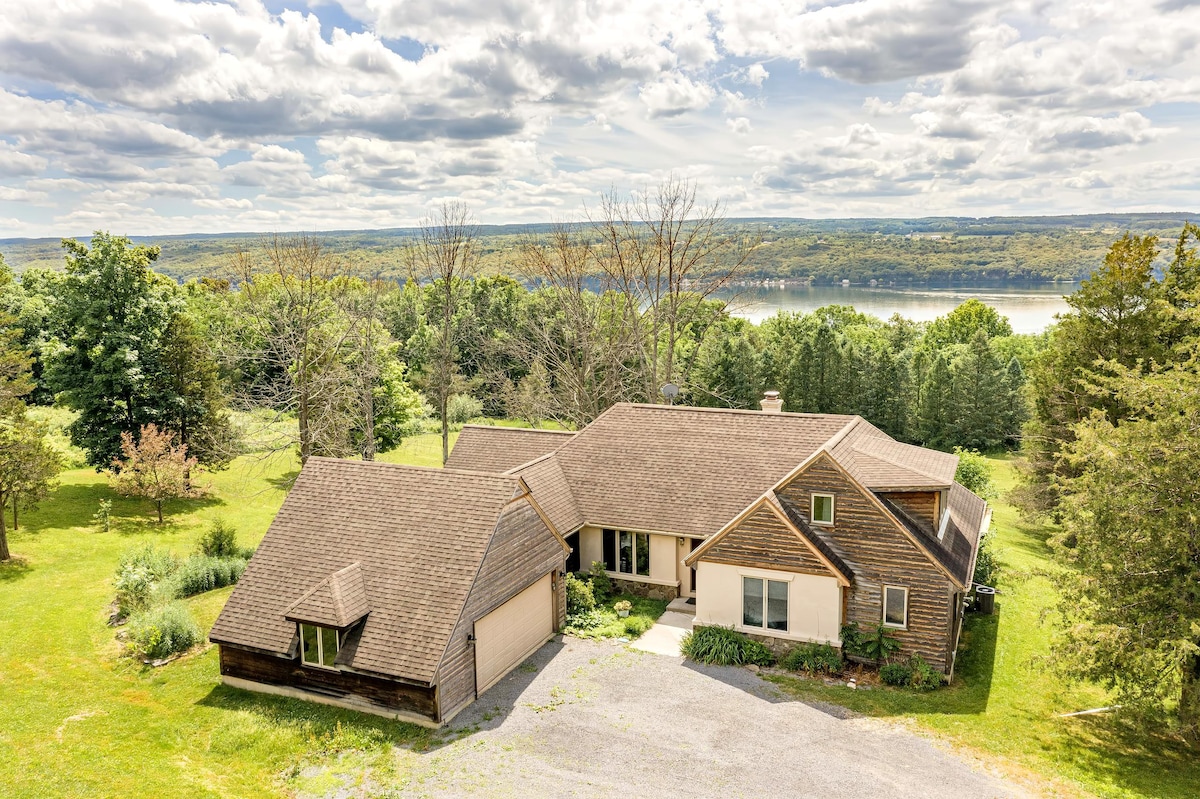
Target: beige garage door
[[512, 632]]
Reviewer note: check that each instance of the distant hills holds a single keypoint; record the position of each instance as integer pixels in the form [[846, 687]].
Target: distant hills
[[929, 249]]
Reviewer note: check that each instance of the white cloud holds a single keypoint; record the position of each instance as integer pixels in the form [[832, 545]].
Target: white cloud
[[175, 115]]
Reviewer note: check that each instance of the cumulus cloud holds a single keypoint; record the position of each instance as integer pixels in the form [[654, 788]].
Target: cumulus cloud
[[236, 117]]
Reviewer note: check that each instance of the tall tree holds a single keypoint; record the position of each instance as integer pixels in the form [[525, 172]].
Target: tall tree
[[288, 339], [445, 254], [28, 466], [667, 253], [1132, 532], [193, 400]]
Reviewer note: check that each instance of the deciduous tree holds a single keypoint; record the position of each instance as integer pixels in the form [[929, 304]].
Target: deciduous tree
[[28, 466], [154, 467]]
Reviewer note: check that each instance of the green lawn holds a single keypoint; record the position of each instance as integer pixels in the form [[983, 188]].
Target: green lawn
[[1005, 701]]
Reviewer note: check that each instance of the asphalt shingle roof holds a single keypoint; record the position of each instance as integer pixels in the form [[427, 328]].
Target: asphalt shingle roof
[[487, 448], [418, 535]]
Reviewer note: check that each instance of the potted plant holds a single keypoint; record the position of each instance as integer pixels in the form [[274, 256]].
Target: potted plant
[[623, 607]]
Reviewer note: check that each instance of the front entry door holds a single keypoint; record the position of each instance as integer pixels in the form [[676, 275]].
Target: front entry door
[[696, 542]]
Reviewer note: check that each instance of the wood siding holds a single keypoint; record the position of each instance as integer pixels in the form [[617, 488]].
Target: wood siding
[[880, 554], [762, 540], [522, 550], [921, 506], [271, 670]]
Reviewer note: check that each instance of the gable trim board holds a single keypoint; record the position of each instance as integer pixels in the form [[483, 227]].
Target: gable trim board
[[771, 503]]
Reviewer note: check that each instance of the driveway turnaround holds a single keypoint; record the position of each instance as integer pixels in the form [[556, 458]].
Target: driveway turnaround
[[600, 719]]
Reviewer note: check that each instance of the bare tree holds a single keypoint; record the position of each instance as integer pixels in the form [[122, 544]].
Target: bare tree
[[669, 255], [445, 255], [291, 331], [588, 341]]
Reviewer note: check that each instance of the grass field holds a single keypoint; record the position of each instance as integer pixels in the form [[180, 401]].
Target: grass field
[[77, 719]]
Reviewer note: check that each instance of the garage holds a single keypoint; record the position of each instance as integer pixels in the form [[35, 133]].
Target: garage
[[512, 632]]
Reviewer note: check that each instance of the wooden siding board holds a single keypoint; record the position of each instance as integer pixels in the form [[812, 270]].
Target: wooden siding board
[[763, 540], [879, 554], [284, 672], [921, 506], [522, 551]]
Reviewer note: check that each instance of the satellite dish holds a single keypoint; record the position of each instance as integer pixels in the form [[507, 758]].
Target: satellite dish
[[670, 391]]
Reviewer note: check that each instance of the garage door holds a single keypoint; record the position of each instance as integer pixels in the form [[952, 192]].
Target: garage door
[[513, 632]]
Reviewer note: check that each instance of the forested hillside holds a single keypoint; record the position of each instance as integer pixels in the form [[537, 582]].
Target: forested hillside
[[934, 249]]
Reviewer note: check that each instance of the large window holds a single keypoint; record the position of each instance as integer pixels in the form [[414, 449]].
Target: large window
[[318, 645], [765, 603], [822, 509], [626, 552], [895, 606]]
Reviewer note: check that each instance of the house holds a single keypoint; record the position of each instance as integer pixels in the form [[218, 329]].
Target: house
[[395, 590], [410, 591]]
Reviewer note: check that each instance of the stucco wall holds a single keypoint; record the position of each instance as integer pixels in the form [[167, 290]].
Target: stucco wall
[[814, 602], [591, 547]]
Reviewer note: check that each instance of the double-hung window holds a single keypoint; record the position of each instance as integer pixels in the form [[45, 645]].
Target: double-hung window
[[895, 606], [626, 552], [765, 603], [318, 645]]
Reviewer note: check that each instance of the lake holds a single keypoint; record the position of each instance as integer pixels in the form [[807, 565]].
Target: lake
[[1030, 308]]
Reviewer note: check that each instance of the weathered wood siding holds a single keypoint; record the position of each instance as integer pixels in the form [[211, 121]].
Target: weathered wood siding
[[880, 554], [762, 540], [523, 550], [272, 670], [921, 506]]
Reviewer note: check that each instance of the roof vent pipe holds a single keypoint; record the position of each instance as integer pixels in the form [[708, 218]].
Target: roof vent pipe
[[771, 403]]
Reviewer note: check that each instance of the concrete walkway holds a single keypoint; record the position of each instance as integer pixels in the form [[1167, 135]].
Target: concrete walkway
[[664, 637]]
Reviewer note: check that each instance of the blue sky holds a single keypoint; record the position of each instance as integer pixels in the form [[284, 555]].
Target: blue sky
[[168, 116]]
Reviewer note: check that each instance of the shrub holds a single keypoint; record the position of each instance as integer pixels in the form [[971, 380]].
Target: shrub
[[987, 566], [219, 541], [724, 646], [602, 584], [974, 474], [201, 573], [852, 639], [143, 578], [587, 620], [896, 674], [636, 625], [103, 516], [813, 658], [924, 677], [877, 644], [164, 631], [462, 408], [580, 598]]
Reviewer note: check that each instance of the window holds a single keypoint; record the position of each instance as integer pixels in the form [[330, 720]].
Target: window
[[765, 603], [318, 645], [626, 552], [895, 606], [822, 509]]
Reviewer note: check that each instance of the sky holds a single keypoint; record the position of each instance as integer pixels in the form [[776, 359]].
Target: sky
[[147, 117]]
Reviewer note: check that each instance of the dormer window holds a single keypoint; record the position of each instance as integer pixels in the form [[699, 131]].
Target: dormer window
[[319, 645], [822, 509]]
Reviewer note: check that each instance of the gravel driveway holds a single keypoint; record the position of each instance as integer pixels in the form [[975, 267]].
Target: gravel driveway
[[596, 719]]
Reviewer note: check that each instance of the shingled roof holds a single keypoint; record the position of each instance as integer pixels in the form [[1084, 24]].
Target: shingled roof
[[337, 601], [881, 463], [685, 470], [487, 448], [418, 537]]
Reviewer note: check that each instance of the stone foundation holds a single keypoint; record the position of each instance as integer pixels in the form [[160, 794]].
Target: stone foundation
[[648, 590], [778, 646]]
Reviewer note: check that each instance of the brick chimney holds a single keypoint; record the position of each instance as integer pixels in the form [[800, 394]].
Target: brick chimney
[[771, 403]]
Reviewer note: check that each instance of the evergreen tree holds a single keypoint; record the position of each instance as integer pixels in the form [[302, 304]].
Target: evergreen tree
[[935, 411], [980, 400]]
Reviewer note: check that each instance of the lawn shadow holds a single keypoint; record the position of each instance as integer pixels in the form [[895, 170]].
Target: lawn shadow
[[283, 482], [1140, 761], [14, 568]]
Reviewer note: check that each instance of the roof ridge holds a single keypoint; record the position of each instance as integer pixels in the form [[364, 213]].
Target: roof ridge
[[412, 468], [507, 429], [749, 411]]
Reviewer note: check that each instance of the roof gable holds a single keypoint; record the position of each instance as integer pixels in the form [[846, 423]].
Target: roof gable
[[763, 535], [337, 601]]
